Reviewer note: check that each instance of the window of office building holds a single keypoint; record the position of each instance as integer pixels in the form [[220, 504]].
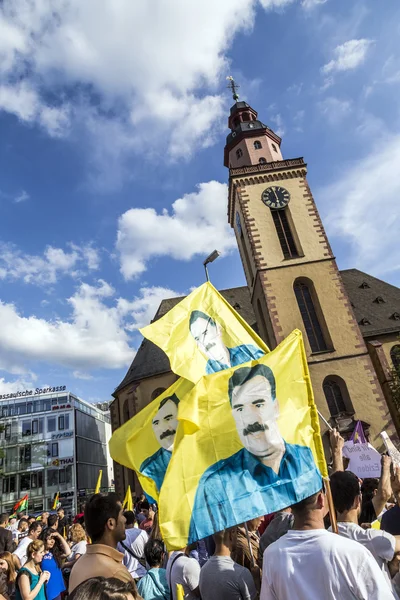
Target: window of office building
[[37, 480], [51, 424], [63, 422], [25, 454], [26, 428], [25, 482], [9, 484], [54, 449], [52, 477]]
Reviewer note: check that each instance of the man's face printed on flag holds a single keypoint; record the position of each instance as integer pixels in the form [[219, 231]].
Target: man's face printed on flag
[[164, 424], [208, 337], [255, 412]]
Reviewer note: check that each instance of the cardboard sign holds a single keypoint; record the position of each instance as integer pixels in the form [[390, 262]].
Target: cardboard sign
[[365, 461]]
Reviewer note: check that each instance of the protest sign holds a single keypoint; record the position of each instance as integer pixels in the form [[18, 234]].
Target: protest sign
[[365, 461]]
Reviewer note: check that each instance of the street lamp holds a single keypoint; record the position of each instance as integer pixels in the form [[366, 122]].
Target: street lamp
[[213, 256]]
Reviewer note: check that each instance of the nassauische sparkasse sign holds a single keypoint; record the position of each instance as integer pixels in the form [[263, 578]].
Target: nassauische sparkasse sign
[[48, 390]]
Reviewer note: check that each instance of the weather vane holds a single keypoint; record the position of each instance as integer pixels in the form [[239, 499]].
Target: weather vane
[[234, 87]]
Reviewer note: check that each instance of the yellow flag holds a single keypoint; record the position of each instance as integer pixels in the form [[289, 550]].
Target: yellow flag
[[203, 334], [180, 592], [56, 500], [98, 484], [145, 442], [128, 502], [248, 444]]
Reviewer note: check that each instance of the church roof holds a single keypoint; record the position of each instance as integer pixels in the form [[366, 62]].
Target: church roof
[[150, 360], [376, 303]]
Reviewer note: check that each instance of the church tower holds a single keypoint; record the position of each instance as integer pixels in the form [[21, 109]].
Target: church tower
[[292, 274]]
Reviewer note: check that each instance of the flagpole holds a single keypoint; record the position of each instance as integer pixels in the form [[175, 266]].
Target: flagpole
[[331, 506]]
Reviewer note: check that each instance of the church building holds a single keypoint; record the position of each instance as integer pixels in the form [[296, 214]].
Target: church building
[[349, 319]]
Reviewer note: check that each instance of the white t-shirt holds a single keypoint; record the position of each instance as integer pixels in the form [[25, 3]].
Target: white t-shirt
[[135, 540], [78, 548], [317, 564], [185, 571], [20, 551], [381, 544]]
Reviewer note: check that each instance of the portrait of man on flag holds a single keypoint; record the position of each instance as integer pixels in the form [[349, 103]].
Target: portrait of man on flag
[[207, 334], [164, 425], [265, 459]]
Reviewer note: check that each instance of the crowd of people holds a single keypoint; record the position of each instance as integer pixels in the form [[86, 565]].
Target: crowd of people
[[112, 554]]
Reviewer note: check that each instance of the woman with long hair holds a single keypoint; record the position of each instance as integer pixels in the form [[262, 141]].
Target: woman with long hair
[[79, 544], [56, 549], [9, 573], [31, 579]]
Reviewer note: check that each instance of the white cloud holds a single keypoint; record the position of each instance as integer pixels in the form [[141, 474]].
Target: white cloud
[[21, 197], [45, 269], [364, 208], [93, 336], [83, 376], [278, 121], [309, 4], [21, 383], [143, 308], [334, 109], [196, 225], [348, 56]]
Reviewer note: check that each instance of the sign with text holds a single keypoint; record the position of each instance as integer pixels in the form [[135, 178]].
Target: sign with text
[[365, 461]]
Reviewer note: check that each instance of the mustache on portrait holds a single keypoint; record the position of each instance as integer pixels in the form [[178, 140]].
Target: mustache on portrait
[[254, 428], [167, 433]]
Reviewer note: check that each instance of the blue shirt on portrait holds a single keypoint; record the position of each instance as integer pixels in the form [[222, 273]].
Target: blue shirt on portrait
[[238, 356], [155, 466], [240, 488]]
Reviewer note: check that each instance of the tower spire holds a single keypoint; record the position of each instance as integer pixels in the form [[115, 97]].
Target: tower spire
[[234, 87]]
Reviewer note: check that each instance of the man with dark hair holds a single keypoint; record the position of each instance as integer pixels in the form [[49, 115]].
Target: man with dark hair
[[22, 529], [62, 521], [268, 467], [347, 499], [154, 584], [207, 334], [133, 547], [6, 540], [34, 531], [310, 563], [105, 525], [164, 424], [221, 577], [52, 522]]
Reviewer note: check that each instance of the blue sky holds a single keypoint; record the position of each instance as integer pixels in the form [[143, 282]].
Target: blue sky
[[113, 119]]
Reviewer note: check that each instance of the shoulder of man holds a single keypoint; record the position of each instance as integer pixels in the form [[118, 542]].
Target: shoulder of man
[[122, 573]]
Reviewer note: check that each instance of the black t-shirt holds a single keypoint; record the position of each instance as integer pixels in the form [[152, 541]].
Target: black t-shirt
[[391, 521], [367, 514]]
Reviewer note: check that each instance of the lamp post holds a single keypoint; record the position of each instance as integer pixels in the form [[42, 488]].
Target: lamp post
[[213, 256]]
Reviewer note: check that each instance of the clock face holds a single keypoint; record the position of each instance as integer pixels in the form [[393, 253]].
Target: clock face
[[275, 197], [238, 223]]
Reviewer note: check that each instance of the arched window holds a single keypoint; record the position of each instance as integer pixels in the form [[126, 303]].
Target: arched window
[[262, 160], [157, 392], [125, 412], [304, 296], [239, 153], [274, 148], [284, 232], [395, 356], [257, 145], [335, 391]]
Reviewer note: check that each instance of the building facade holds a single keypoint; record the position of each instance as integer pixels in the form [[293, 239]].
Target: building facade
[[51, 442], [350, 320]]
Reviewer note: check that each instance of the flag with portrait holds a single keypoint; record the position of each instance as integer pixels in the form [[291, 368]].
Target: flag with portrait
[[247, 444], [203, 334]]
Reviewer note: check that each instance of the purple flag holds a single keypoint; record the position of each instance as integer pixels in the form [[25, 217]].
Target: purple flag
[[358, 437]]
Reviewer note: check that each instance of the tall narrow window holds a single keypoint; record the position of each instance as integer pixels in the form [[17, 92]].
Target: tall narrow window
[[395, 356], [334, 397], [310, 318], [239, 153], [257, 145], [284, 233]]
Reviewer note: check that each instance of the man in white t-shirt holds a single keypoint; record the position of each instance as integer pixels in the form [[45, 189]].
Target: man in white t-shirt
[[35, 529], [310, 563], [133, 547], [222, 578], [183, 570], [346, 493]]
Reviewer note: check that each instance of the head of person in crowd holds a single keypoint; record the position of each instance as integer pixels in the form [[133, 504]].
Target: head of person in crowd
[[254, 524], [51, 545], [346, 494], [23, 525], [31, 519], [35, 529], [78, 534], [155, 530], [100, 588], [52, 522], [12, 522], [45, 517], [130, 519], [3, 519], [224, 541], [60, 513], [310, 512], [154, 553], [145, 508], [104, 520], [35, 552], [7, 566]]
